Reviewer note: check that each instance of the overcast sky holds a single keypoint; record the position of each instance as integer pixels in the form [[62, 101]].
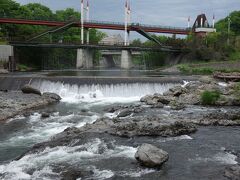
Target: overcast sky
[[157, 12]]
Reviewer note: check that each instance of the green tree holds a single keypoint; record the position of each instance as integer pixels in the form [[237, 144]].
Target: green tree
[[222, 25]]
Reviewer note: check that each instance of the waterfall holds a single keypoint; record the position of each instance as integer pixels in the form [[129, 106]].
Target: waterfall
[[99, 91]]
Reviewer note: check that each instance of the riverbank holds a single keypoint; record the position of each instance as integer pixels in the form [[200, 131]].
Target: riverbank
[[209, 68], [13, 103]]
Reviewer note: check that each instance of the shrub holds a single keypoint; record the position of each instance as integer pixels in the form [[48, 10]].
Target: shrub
[[237, 90], [184, 68], [22, 67], [209, 97]]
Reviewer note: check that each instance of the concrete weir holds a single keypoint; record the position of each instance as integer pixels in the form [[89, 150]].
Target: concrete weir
[[126, 59], [84, 58]]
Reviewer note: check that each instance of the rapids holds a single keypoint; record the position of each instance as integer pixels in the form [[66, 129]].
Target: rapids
[[202, 155]]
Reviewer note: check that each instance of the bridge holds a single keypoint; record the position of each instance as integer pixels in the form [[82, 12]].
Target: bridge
[[102, 25], [98, 46], [84, 48]]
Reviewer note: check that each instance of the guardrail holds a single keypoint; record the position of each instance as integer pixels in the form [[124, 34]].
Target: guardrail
[[105, 23]]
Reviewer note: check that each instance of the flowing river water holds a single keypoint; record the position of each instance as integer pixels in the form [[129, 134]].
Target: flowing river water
[[202, 155]]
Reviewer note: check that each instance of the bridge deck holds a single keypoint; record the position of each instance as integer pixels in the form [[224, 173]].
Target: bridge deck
[[95, 46], [102, 25]]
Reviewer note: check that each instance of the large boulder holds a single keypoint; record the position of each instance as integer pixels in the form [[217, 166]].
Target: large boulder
[[233, 172], [28, 89], [151, 156]]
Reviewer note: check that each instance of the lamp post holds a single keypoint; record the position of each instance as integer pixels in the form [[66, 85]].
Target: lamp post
[[82, 21], [88, 18], [229, 29]]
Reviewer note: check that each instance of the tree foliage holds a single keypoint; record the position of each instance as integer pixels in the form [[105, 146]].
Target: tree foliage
[[37, 11], [222, 25]]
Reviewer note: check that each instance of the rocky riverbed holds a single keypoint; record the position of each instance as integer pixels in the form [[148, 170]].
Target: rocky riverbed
[[155, 119], [14, 103]]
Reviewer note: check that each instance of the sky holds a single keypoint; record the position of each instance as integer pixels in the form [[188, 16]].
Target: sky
[[155, 12]]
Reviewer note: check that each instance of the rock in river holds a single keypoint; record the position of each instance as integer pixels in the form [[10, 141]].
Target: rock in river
[[28, 89], [151, 156], [233, 172]]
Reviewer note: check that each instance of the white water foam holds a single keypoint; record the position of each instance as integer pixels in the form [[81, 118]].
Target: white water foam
[[41, 130], [185, 83], [100, 174], [222, 157], [15, 118], [223, 84], [138, 173], [40, 163], [182, 137], [98, 93]]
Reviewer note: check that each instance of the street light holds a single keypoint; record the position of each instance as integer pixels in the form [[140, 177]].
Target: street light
[[229, 29]]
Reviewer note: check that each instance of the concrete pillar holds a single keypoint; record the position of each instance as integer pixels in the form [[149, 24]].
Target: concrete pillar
[[84, 58], [126, 59], [108, 61]]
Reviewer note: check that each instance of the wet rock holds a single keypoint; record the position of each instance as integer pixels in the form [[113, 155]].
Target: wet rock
[[233, 172], [175, 91], [146, 98], [162, 99], [219, 118], [3, 90], [157, 105], [217, 122], [176, 105], [18, 103], [84, 110], [45, 115], [142, 126], [52, 96], [71, 173], [124, 113], [28, 89], [110, 110], [151, 101], [156, 99], [138, 110], [151, 156], [190, 99]]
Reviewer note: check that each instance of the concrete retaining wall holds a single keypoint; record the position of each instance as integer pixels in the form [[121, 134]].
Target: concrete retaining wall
[[5, 52]]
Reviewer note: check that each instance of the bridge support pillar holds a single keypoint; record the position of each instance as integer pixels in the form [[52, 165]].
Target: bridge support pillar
[[126, 59], [84, 58], [108, 61]]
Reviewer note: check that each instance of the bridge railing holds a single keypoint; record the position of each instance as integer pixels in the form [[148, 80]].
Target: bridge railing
[[137, 24], [95, 45], [104, 23]]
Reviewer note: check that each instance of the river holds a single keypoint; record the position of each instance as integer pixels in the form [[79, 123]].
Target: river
[[202, 155]]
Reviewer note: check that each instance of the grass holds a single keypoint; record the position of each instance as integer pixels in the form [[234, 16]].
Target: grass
[[208, 68], [235, 56], [22, 67], [187, 69], [210, 97], [3, 42], [237, 90]]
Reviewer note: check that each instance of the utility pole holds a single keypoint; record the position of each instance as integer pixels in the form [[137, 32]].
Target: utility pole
[[229, 29], [189, 19], [129, 22], [213, 23], [126, 24], [88, 21], [82, 21]]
